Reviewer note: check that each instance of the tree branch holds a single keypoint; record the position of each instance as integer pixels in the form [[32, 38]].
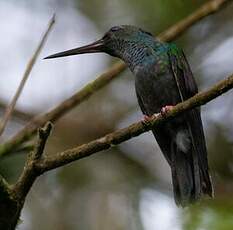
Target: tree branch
[[8, 206], [30, 173], [12, 197], [38, 163], [26, 74], [17, 113], [50, 162], [29, 130], [12, 200], [205, 10]]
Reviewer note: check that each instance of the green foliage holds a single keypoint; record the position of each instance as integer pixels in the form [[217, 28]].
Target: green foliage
[[210, 215]]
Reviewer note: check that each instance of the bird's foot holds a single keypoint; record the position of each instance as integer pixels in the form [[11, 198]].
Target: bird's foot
[[146, 119], [166, 109]]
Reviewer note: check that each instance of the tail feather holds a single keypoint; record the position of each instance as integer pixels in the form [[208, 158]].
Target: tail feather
[[189, 181], [207, 187]]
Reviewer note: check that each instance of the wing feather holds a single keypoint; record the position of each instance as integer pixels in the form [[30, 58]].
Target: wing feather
[[187, 88]]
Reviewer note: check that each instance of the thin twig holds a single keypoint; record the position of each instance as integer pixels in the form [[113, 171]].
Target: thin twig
[[26, 74], [43, 134], [29, 130], [17, 114], [206, 9], [29, 174], [119, 136]]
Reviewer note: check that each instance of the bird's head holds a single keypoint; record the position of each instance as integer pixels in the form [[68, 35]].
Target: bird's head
[[115, 42]]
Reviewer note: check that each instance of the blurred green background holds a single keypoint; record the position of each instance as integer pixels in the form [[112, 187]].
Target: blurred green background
[[128, 186]]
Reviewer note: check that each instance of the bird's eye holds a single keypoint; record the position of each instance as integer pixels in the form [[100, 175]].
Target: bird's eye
[[115, 28]]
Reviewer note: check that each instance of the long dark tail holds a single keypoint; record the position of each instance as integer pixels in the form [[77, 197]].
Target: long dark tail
[[189, 179]]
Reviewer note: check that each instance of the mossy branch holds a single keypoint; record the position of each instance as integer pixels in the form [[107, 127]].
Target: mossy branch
[[29, 130], [119, 136]]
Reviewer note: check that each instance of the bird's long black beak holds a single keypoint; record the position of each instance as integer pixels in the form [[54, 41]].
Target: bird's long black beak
[[94, 47]]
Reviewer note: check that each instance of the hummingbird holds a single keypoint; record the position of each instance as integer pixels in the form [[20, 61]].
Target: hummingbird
[[163, 78]]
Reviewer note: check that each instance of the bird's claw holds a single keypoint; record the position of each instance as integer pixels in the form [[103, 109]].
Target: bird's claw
[[166, 109], [146, 119]]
